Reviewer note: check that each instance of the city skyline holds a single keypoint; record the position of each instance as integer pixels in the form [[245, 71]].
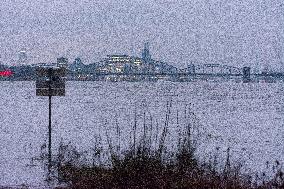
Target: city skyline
[[145, 54], [247, 33]]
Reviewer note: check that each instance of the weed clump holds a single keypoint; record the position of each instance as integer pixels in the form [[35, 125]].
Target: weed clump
[[142, 166]]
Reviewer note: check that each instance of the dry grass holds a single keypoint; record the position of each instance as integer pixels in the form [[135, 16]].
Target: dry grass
[[146, 169], [141, 166]]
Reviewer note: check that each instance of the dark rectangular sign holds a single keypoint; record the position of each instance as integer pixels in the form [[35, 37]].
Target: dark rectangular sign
[[53, 84], [52, 92], [50, 82]]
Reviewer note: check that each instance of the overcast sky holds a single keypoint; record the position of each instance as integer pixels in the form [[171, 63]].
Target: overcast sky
[[232, 32]]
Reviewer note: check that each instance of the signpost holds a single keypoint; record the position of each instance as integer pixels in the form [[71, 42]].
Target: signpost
[[50, 83]]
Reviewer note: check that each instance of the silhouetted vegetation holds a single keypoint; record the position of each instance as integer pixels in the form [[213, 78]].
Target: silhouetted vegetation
[[142, 166]]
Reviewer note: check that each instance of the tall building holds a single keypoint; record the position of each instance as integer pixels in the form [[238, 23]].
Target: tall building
[[146, 53], [23, 56], [191, 68], [78, 62], [77, 65], [62, 62]]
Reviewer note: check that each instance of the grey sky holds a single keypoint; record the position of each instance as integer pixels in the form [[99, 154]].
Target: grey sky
[[233, 32]]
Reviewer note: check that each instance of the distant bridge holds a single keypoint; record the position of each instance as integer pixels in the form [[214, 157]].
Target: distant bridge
[[191, 70], [212, 69], [205, 71]]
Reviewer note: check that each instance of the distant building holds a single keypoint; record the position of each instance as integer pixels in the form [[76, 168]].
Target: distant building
[[146, 53], [124, 64], [246, 74], [77, 65], [117, 63], [137, 61], [23, 57], [265, 69], [191, 68], [62, 62]]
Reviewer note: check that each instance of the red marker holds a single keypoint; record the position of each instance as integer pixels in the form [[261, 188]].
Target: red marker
[[6, 73]]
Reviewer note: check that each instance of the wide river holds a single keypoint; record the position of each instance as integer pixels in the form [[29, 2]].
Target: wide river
[[245, 117]]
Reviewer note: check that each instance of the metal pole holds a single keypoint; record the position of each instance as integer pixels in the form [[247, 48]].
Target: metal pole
[[49, 135], [49, 123]]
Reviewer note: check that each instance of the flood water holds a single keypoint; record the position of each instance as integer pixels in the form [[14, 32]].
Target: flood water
[[245, 117]]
